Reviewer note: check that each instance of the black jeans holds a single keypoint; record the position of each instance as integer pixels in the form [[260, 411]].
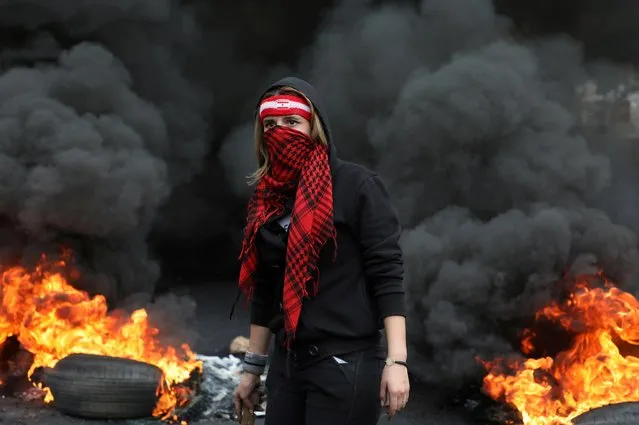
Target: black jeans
[[342, 391]]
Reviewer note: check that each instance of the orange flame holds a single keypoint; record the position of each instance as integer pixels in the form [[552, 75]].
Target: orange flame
[[591, 374], [52, 319]]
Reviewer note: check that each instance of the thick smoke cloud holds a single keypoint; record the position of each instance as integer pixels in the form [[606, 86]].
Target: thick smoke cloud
[[78, 163], [100, 121], [475, 134], [503, 211], [235, 156], [473, 130]]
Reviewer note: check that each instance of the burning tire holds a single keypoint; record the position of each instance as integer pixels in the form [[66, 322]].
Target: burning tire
[[613, 414], [101, 387]]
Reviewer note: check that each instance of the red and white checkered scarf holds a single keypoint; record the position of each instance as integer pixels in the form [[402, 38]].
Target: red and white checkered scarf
[[299, 166]]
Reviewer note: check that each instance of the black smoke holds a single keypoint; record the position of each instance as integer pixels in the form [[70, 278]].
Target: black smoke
[[474, 123], [101, 119], [127, 127], [111, 115]]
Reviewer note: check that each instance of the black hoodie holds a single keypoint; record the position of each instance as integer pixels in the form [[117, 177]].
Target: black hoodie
[[358, 287]]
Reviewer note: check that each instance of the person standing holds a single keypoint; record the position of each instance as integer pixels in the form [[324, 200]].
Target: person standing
[[322, 265]]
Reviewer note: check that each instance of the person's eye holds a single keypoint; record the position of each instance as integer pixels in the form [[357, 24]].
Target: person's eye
[[291, 122], [268, 124]]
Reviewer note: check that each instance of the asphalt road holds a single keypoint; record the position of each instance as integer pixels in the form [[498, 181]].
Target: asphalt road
[[216, 330]]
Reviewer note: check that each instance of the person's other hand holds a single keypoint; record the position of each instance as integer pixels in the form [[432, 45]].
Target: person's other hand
[[394, 388], [245, 395]]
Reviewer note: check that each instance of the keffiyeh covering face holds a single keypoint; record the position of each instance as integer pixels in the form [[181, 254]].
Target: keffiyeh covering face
[[299, 168]]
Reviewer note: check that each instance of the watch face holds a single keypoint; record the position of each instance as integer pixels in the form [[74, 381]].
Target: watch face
[[389, 362]]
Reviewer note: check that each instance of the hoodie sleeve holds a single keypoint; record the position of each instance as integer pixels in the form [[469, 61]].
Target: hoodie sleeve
[[262, 300], [379, 233]]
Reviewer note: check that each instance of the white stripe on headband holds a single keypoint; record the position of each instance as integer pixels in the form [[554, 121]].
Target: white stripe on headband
[[284, 104]]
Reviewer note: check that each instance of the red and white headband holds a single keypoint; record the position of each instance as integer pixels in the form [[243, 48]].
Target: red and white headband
[[284, 104]]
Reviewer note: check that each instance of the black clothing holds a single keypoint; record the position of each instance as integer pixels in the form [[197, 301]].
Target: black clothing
[[361, 283], [364, 283], [342, 391], [332, 372]]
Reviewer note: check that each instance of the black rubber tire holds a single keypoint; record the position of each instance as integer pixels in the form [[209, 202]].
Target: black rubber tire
[[613, 414], [101, 387]]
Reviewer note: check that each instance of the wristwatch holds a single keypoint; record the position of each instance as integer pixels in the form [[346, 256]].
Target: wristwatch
[[390, 362]]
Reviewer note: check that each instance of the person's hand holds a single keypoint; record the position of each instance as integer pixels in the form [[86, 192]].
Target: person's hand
[[245, 394], [394, 388]]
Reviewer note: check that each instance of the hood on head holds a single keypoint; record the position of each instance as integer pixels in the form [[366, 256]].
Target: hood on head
[[310, 92]]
